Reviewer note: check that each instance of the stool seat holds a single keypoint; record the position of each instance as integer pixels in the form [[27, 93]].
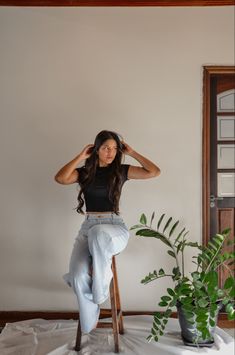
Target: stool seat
[[117, 317]]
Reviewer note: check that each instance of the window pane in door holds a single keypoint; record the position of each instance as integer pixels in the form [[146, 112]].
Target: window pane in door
[[226, 184], [226, 156], [226, 101], [225, 128]]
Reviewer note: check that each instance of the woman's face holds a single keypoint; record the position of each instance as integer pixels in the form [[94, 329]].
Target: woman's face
[[107, 152]]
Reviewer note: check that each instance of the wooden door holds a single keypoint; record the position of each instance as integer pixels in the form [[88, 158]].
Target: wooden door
[[219, 153]]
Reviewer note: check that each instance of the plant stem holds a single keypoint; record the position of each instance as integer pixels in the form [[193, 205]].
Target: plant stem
[[208, 267], [183, 263]]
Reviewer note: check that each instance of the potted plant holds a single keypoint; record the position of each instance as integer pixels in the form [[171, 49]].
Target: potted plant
[[197, 296]]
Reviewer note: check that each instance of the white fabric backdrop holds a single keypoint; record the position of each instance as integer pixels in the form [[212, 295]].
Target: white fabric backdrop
[[43, 337]]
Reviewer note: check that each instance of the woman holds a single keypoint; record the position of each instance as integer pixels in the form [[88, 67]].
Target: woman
[[103, 232]]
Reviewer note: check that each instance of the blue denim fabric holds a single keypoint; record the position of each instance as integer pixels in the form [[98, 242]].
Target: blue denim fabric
[[100, 237]]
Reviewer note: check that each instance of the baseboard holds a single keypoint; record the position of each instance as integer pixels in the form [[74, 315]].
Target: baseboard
[[15, 316]]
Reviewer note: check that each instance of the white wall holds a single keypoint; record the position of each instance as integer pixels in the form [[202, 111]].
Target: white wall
[[66, 74]]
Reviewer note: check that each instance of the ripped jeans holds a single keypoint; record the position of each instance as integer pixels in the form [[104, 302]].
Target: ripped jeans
[[100, 237]]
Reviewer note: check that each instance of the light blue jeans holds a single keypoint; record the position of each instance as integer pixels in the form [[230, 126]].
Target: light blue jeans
[[100, 237]]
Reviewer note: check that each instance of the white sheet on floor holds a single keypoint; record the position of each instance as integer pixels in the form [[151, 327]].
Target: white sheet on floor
[[57, 337]]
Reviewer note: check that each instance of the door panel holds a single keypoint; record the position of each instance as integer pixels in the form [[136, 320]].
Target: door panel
[[222, 157], [218, 170]]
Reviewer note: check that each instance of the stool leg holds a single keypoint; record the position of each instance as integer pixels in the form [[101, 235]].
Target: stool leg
[[78, 338], [114, 317], [115, 279]]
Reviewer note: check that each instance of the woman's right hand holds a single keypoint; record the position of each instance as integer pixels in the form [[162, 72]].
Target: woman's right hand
[[86, 152]]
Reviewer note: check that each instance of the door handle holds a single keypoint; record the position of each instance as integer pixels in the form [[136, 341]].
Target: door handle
[[214, 198]]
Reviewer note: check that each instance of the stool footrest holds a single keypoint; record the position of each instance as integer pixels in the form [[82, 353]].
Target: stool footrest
[[109, 324], [104, 325]]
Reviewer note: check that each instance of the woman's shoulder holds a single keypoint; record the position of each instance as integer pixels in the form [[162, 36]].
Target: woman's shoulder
[[124, 171], [81, 171]]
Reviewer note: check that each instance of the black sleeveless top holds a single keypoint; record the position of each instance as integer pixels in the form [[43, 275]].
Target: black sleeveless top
[[96, 194]]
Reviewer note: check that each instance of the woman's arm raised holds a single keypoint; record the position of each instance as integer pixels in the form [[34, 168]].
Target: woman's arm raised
[[148, 169], [68, 173]]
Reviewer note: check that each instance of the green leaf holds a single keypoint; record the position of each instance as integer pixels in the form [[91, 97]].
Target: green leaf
[[171, 292], [220, 293], [229, 308], [202, 318], [231, 316], [178, 237], [225, 300], [212, 322], [160, 220], [187, 300], [221, 237], [195, 275], [143, 219], [232, 292], [171, 253], [185, 233], [162, 304], [173, 303], [212, 246], [193, 244], [158, 315], [229, 282], [168, 313], [213, 296], [155, 325], [152, 217], [226, 232], [157, 320], [231, 311], [161, 272], [179, 247], [176, 271], [146, 232], [173, 228], [203, 302], [198, 284], [217, 241], [167, 224], [165, 298], [206, 257], [211, 279], [136, 226]]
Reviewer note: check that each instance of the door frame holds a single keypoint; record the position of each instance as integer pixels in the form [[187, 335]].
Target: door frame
[[208, 71]]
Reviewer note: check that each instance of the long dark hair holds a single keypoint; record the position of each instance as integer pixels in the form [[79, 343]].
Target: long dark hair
[[115, 176]]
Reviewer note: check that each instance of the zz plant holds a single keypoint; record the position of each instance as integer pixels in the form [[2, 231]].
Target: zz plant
[[197, 295]]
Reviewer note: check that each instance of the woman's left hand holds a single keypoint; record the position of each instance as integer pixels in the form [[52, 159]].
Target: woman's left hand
[[127, 149]]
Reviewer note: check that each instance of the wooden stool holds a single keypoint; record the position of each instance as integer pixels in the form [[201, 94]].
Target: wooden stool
[[117, 318]]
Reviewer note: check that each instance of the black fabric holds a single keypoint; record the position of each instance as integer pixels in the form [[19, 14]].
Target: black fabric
[[96, 194]]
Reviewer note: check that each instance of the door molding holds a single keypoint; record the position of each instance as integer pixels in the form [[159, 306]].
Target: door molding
[[208, 71]]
